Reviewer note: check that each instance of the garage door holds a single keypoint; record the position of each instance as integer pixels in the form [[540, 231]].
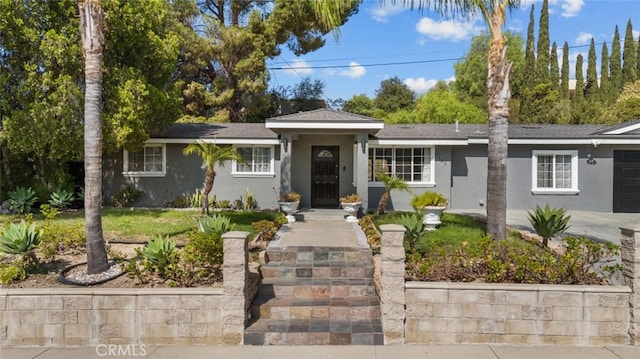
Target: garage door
[[626, 181]]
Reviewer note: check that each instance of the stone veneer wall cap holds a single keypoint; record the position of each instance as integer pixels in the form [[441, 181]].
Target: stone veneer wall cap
[[518, 287], [392, 228], [112, 291], [631, 227]]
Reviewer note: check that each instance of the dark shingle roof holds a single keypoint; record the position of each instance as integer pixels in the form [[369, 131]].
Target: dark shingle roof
[[218, 130], [323, 115]]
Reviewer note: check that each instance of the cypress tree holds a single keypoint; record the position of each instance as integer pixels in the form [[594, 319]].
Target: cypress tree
[[529, 56], [638, 57], [591, 83], [604, 74], [554, 74], [542, 60], [564, 75], [615, 71], [577, 103], [629, 57]]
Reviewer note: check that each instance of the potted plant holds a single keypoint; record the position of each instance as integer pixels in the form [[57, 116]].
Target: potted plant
[[351, 204], [289, 205], [431, 205]]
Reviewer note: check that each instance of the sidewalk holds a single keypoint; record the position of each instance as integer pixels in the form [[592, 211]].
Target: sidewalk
[[351, 352]]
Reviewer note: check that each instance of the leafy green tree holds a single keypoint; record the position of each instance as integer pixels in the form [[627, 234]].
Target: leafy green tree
[[628, 105], [529, 73], [238, 37], [91, 28], [307, 94], [578, 92], [615, 70], [393, 95], [360, 104], [471, 71], [212, 155], [629, 57], [604, 74], [542, 100], [499, 68], [542, 60], [439, 106], [591, 84], [564, 72]]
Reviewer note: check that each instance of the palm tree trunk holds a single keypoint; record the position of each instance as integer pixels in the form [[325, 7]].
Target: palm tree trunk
[[384, 200], [208, 186], [498, 97], [91, 17]]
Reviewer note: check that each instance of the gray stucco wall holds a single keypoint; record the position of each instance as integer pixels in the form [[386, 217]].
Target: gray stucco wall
[[301, 163], [184, 175]]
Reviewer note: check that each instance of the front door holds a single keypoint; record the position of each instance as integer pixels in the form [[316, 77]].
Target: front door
[[325, 167], [626, 181]]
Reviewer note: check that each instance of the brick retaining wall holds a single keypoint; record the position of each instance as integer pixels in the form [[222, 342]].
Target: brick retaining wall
[[90, 317], [516, 314]]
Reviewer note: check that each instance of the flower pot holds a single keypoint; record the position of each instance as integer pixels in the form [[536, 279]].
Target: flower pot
[[290, 208], [432, 216], [352, 210]]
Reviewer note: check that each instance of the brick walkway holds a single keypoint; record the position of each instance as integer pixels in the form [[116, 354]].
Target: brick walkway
[[314, 295]]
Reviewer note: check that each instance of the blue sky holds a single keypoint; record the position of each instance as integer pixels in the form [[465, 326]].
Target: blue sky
[[379, 35]]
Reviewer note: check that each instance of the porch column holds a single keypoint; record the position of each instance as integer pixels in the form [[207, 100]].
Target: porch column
[[285, 162], [361, 170]]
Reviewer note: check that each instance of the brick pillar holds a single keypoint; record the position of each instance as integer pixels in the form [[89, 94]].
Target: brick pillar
[[630, 241], [392, 298], [235, 272]]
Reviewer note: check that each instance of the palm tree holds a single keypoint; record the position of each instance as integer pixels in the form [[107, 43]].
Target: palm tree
[[91, 26], [498, 93], [211, 155], [390, 183]]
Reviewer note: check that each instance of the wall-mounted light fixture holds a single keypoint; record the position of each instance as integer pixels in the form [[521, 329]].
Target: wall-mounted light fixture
[[590, 159], [363, 145], [285, 142]]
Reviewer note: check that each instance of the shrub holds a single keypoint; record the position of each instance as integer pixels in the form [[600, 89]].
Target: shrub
[[250, 200], [217, 223], [428, 199], [61, 199], [126, 197], [205, 249], [549, 222], [280, 219], [11, 272], [373, 235], [58, 238], [224, 203], [22, 199], [265, 230], [179, 202]]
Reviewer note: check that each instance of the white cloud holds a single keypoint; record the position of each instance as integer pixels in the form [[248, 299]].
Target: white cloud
[[583, 38], [383, 12], [635, 34], [355, 70], [298, 66], [446, 30], [421, 41], [571, 8]]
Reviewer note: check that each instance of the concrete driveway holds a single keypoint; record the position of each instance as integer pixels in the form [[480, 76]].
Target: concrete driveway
[[598, 226]]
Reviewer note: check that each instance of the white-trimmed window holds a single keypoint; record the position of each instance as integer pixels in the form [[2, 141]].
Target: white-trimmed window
[[554, 172], [412, 164], [257, 161], [149, 161]]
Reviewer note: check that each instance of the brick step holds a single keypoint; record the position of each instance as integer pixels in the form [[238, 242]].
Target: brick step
[[316, 270], [309, 254], [317, 287], [314, 332], [286, 308]]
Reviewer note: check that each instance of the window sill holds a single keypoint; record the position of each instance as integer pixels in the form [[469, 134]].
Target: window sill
[[410, 184], [555, 191], [252, 174], [144, 174]]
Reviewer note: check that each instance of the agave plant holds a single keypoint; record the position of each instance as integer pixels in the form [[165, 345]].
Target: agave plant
[[414, 228], [61, 199], [549, 222], [159, 252], [22, 199], [18, 238], [218, 224]]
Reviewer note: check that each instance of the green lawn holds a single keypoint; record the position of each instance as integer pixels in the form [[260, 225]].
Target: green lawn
[[143, 224]]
